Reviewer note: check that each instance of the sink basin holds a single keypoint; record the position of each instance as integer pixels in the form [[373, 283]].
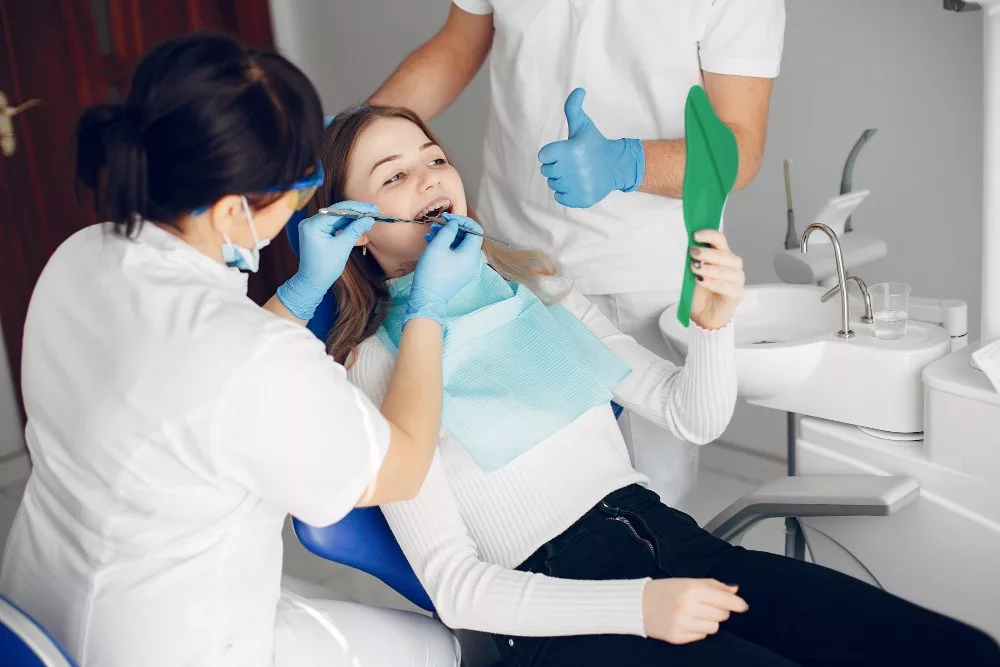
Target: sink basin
[[783, 316], [789, 357], [778, 332]]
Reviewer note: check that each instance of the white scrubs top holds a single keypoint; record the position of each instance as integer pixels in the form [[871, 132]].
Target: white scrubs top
[[172, 425], [637, 61]]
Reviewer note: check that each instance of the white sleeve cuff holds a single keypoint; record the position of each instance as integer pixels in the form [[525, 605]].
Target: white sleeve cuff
[[724, 337], [763, 69], [479, 7], [712, 353]]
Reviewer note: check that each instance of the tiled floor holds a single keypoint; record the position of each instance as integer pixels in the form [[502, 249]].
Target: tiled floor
[[725, 475]]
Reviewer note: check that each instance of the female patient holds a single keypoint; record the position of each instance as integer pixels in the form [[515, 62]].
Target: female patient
[[532, 525]]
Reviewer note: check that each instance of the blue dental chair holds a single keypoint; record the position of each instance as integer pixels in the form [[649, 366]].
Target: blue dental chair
[[24, 643], [362, 539]]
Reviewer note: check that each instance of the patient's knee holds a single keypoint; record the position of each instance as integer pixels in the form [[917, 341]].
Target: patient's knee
[[981, 650]]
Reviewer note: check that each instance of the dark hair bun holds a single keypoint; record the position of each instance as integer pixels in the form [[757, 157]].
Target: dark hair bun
[[205, 117]]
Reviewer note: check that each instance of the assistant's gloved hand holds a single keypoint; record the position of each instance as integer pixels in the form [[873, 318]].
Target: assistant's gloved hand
[[325, 243], [583, 169], [448, 264]]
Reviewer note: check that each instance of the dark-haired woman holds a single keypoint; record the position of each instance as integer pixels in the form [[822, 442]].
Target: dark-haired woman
[[173, 424]]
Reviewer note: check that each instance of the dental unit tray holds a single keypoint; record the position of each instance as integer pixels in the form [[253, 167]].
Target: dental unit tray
[[711, 162], [378, 217]]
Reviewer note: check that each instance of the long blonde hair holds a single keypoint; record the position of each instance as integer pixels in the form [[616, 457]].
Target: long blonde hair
[[361, 292]]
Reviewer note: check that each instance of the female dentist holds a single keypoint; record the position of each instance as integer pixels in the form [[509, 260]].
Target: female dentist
[[172, 423]]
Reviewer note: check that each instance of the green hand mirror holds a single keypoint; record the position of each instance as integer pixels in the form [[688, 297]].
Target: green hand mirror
[[712, 160]]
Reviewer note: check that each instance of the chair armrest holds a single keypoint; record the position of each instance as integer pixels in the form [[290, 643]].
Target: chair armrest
[[813, 496], [364, 541]]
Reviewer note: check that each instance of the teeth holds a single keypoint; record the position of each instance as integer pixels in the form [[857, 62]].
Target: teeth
[[442, 205]]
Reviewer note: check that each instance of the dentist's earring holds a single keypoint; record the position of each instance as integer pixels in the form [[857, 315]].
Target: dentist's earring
[[364, 250]]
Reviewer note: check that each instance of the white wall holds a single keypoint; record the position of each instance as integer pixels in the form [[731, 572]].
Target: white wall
[[349, 48], [906, 67]]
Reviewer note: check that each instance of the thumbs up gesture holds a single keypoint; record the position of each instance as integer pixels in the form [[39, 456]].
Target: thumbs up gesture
[[584, 168]]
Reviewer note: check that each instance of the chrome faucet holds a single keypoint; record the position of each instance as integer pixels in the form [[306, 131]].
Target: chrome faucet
[[845, 314], [863, 288]]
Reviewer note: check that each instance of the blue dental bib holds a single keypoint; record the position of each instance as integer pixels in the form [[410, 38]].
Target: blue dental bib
[[515, 371]]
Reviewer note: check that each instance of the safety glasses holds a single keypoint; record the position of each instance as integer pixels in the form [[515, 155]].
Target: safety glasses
[[304, 189]]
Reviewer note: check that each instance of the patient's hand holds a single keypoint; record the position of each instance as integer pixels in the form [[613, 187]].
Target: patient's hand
[[681, 611], [720, 280]]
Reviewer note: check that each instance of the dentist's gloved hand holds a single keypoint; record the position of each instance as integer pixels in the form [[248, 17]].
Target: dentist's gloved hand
[[583, 169], [325, 244], [448, 264]]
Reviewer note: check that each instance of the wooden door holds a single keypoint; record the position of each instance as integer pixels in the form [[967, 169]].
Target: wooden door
[[56, 57]]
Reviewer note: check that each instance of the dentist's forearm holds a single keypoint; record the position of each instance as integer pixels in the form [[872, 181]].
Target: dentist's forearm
[[435, 74], [664, 168], [427, 82], [275, 306], [665, 161]]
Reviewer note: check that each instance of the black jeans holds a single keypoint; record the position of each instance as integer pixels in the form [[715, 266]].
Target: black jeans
[[800, 614]]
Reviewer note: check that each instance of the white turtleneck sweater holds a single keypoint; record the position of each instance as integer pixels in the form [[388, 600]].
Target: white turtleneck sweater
[[467, 529]]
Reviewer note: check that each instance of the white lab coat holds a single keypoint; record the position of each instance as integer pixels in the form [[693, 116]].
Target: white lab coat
[[172, 426], [637, 60]]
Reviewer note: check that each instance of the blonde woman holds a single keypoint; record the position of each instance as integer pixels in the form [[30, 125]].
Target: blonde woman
[[532, 524]]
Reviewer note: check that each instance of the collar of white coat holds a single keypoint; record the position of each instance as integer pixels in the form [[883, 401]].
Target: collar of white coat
[[176, 249]]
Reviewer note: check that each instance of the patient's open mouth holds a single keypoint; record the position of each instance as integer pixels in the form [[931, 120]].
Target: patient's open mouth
[[434, 209]]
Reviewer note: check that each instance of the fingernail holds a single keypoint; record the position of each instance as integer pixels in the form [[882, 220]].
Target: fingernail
[[700, 278], [696, 264], [695, 252]]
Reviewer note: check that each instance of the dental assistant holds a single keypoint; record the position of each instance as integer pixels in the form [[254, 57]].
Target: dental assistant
[[173, 424], [606, 203]]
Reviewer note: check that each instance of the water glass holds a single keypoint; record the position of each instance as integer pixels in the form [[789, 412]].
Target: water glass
[[890, 309]]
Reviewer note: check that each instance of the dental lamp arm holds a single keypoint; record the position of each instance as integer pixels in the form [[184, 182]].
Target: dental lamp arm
[[431, 77], [847, 177], [742, 103], [805, 496]]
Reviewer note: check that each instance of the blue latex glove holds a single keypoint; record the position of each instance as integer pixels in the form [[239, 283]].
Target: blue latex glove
[[323, 254], [448, 264], [583, 169]]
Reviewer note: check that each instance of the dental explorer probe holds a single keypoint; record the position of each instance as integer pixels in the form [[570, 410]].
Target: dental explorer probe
[[378, 217]]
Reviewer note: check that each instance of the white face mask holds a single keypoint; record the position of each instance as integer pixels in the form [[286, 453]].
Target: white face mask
[[239, 257]]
